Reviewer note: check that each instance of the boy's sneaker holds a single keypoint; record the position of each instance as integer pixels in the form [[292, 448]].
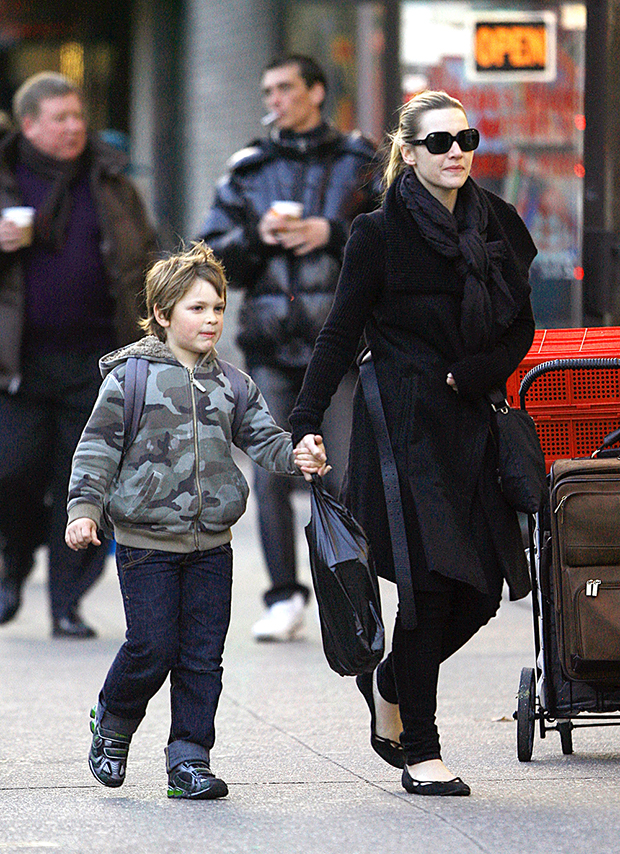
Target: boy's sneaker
[[195, 780], [282, 621], [107, 758]]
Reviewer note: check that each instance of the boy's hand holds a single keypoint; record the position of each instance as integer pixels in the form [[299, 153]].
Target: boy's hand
[[81, 533], [310, 456]]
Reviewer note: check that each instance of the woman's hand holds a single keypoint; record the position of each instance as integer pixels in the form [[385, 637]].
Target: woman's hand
[[451, 382], [310, 456], [81, 533]]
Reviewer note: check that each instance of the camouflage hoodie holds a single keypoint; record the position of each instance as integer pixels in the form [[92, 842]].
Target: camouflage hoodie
[[178, 488]]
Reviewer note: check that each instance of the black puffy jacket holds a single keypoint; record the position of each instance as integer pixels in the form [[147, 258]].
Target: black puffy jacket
[[287, 298]]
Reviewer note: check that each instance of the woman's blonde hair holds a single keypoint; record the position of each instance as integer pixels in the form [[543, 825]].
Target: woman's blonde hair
[[409, 127], [169, 279]]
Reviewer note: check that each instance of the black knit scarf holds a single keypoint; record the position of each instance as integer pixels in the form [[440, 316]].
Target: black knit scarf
[[52, 218], [487, 304]]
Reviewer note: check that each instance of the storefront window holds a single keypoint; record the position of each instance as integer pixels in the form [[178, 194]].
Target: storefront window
[[85, 42], [347, 40], [519, 73]]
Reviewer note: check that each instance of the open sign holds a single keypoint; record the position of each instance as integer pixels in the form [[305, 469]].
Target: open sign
[[513, 48]]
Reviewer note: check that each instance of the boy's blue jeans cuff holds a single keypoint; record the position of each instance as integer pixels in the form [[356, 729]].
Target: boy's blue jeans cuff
[[185, 751], [109, 721]]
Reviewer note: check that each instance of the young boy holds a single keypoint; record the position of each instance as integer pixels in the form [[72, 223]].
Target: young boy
[[172, 497]]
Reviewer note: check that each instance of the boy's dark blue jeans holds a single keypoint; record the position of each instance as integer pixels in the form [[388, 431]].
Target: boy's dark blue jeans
[[177, 608]]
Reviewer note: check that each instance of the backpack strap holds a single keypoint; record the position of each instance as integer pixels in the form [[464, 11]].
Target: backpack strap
[[391, 491], [240, 391], [136, 373]]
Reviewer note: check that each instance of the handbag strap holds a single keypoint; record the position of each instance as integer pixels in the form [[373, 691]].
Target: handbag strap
[[391, 490]]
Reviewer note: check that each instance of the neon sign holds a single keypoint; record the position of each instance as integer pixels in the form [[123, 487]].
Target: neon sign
[[512, 47]]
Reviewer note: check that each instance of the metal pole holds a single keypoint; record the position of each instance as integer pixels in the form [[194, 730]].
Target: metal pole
[[595, 286], [391, 58], [601, 202]]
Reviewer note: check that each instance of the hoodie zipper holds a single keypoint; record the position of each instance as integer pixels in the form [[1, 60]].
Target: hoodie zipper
[[194, 382]]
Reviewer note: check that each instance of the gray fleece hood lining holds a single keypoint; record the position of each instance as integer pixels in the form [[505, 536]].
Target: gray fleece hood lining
[[149, 347]]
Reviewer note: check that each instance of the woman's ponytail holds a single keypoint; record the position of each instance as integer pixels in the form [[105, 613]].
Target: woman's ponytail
[[395, 163]]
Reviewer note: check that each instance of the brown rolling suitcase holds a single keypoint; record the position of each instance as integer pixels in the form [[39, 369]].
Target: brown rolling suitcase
[[585, 529]]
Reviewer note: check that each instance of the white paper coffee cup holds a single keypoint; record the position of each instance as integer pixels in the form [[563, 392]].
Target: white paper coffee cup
[[294, 210], [23, 217]]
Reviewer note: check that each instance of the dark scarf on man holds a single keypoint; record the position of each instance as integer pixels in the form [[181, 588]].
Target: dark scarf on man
[[487, 304], [52, 218]]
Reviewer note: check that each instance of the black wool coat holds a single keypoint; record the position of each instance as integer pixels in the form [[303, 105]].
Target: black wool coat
[[405, 298]]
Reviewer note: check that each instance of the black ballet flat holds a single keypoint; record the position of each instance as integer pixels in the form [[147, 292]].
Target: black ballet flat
[[390, 751], [434, 787]]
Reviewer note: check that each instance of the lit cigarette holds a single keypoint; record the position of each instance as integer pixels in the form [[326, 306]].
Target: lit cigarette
[[269, 119]]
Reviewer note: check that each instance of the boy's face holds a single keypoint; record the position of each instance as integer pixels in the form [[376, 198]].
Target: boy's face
[[196, 323]]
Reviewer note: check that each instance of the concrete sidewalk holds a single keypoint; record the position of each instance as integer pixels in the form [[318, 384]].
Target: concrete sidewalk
[[292, 745]]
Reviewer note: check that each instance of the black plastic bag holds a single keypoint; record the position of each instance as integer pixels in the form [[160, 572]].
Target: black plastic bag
[[346, 587]]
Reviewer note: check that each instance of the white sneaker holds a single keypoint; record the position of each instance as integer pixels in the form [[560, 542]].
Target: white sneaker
[[281, 621]]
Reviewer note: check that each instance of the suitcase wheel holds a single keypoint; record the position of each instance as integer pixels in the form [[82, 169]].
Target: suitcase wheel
[[526, 714]]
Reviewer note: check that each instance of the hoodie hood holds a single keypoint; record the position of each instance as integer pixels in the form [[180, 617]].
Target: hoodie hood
[[149, 347]]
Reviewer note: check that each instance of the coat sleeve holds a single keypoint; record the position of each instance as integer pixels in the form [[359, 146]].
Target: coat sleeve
[[98, 454], [262, 439], [359, 286], [363, 196], [231, 230], [477, 375]]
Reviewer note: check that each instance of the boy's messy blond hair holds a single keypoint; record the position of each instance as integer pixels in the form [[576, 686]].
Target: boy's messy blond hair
[[169, 280]]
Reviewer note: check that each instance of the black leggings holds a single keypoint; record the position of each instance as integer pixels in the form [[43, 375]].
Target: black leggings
[[409, 674]]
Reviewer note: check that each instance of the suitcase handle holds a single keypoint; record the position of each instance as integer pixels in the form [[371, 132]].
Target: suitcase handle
[[562, 365]]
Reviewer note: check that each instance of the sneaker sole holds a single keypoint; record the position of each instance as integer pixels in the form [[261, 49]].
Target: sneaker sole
[[218, 789]]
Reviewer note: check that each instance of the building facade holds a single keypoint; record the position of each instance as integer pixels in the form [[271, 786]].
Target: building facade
[[181, 79]]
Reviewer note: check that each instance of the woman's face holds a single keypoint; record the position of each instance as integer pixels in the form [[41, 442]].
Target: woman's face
[[442, 174]]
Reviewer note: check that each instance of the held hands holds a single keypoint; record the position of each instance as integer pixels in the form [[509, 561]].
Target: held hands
[[299, 235], [81, 533], [310, 456]]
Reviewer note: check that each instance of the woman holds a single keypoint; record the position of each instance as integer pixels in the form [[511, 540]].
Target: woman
[[437, 282]]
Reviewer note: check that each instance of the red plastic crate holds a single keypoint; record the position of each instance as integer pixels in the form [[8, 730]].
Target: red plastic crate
[[566, 435], [573, 410], [583, 389]]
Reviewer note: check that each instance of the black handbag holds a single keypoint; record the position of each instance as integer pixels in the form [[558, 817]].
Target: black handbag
[[521, 462], [346, 586]]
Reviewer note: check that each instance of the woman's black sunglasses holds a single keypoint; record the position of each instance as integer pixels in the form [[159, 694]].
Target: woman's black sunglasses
[[441, 141]]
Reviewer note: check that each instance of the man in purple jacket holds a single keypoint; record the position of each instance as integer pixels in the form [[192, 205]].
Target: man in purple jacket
[[68, 293]]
